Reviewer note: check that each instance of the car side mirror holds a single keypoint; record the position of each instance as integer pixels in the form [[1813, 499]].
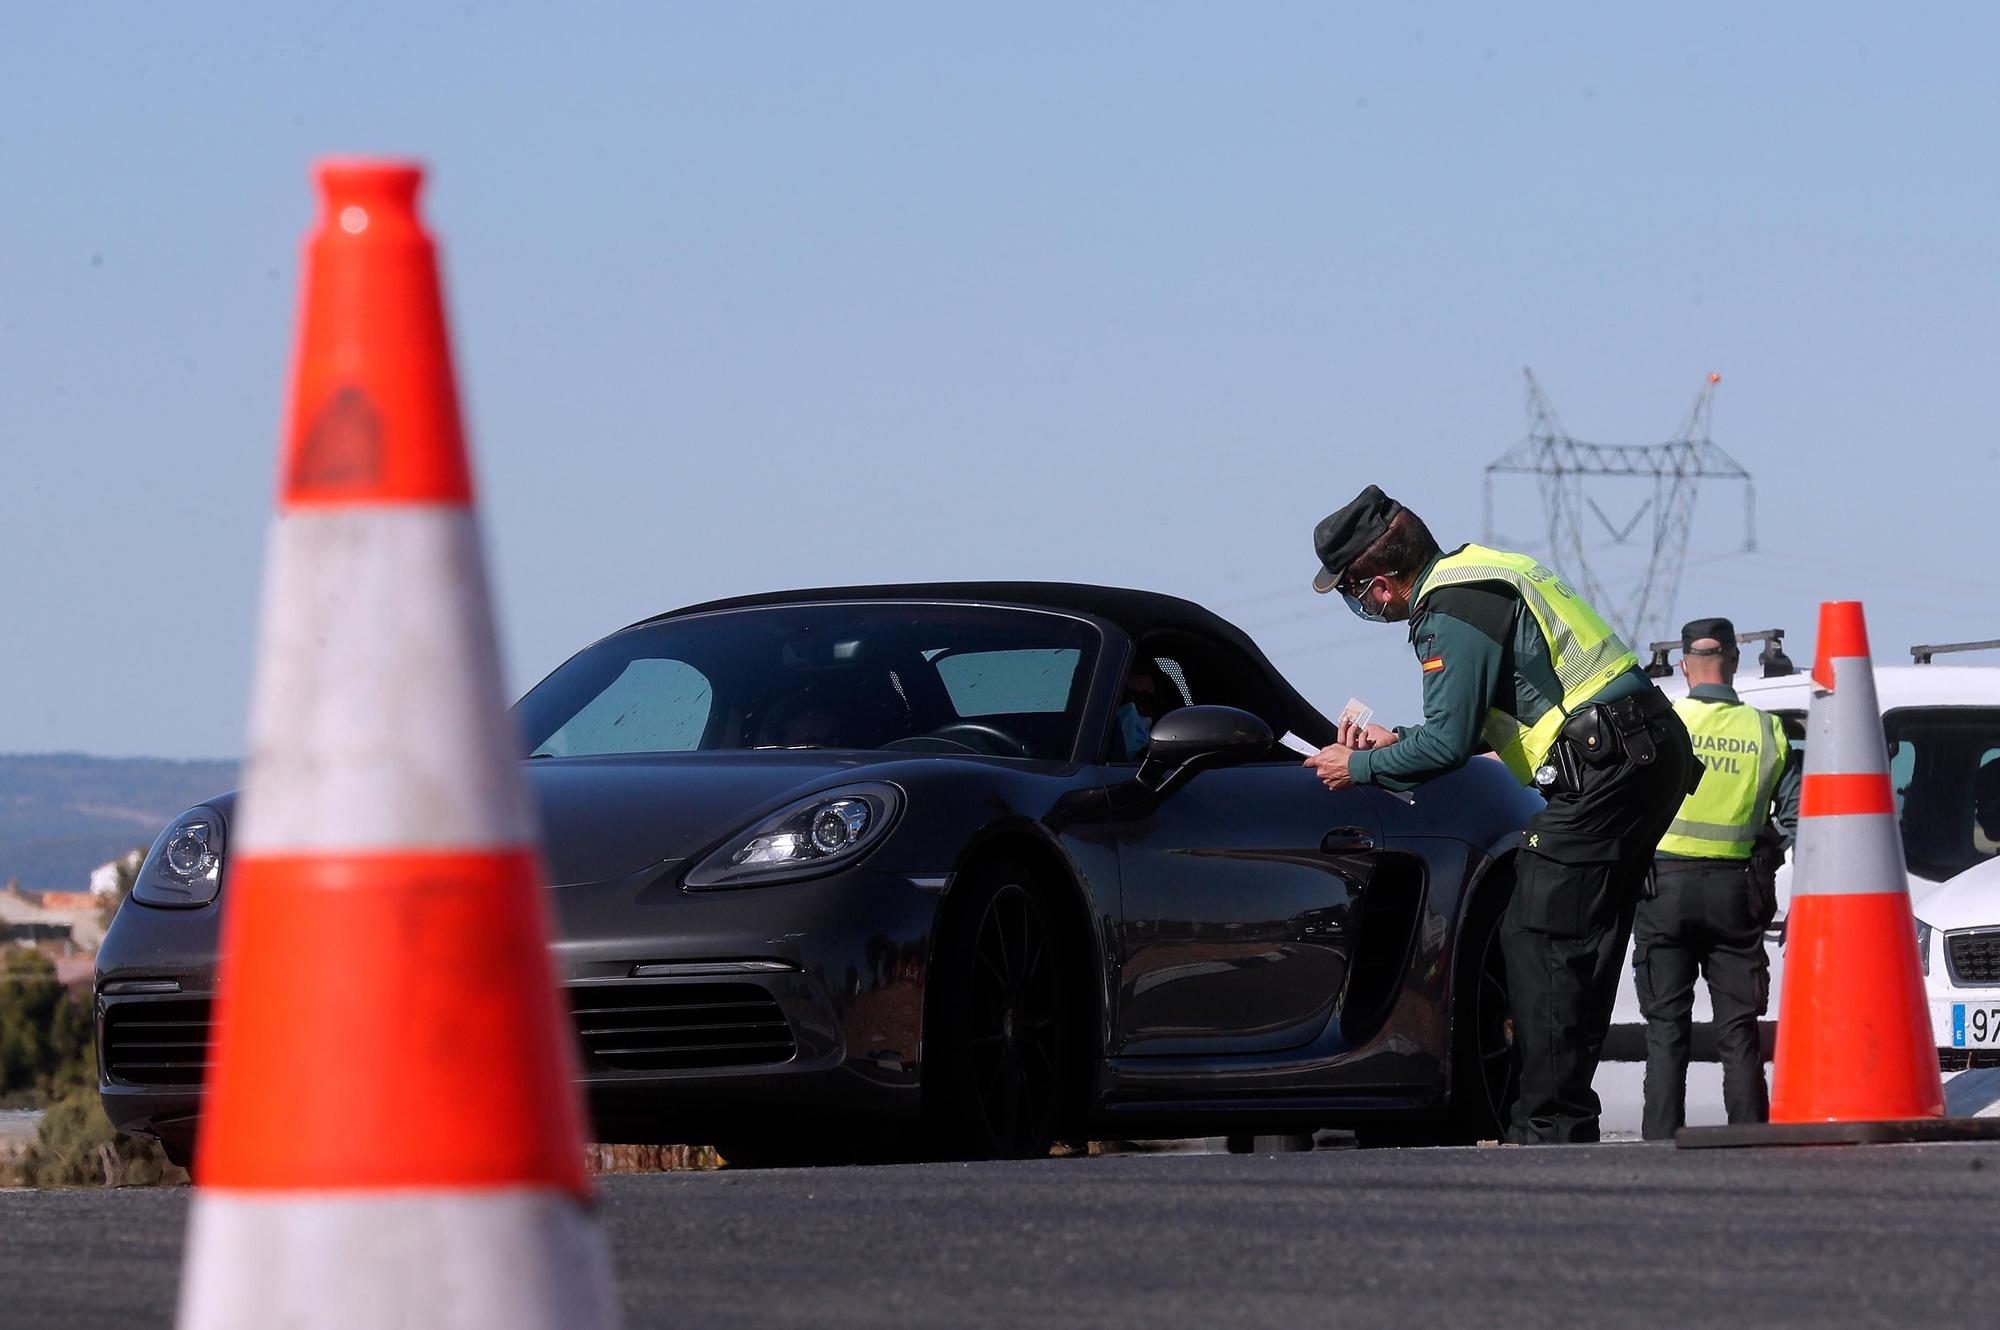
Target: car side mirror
[[1194, 739]]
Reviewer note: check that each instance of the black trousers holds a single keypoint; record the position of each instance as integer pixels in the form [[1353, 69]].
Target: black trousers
[[1703, 917], [1582, 868]]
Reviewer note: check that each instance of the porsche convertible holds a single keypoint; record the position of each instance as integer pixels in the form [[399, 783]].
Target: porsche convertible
[[953, 869]]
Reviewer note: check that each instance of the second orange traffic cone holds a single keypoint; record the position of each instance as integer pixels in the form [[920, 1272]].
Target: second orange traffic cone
[[391, 1134], [1854, 1030]]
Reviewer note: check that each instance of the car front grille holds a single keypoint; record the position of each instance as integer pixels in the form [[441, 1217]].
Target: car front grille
[[670, 1027], [630, 1027], [1967, 1059], [161, 1042], [1974, 957]]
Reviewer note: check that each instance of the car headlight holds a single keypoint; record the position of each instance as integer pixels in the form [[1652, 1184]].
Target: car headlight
[[813, 835], [184, 867], [1924, 945]]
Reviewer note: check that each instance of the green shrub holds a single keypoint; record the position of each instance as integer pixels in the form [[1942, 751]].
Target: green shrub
[[42, 1027], [47, 1057], [77, 1147]]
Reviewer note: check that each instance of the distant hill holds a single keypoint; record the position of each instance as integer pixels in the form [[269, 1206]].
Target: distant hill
[[63, 814]]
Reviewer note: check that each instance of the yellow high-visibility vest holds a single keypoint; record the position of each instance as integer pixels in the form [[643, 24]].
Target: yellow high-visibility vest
[[1586, 653], [1742, 751]]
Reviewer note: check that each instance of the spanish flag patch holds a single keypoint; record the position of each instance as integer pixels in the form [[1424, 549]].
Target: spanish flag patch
[[1434, 664]]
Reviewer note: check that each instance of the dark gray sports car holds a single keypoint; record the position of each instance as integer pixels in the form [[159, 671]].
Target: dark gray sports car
[[961, 869]]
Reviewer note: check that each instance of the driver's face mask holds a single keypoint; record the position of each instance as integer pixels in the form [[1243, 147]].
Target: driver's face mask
[[1134, 729]]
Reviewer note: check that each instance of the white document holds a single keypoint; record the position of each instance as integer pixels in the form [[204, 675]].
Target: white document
[[1305, 749], [1298, 745]]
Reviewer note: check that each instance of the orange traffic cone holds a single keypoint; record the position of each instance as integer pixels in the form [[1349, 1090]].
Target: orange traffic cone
[[391, 1134], [1856, 1061]]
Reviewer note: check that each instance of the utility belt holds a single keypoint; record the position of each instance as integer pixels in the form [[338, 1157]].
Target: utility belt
[[1664, 869], [1669, 867], [1759, 873], [1602, 734]]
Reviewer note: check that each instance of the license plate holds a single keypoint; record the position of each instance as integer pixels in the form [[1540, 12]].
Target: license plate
[[1975, 1025]]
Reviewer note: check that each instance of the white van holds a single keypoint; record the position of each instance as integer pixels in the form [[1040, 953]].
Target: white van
[[1943, 727]]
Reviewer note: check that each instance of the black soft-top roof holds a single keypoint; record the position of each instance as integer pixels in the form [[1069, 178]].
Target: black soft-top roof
[[1136, 612]]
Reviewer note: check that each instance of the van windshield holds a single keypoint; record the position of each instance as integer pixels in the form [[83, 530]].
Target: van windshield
[[1944, 763]]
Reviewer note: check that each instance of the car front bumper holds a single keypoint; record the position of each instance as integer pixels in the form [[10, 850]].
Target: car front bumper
[[1962, 989], [1953, 1034], [701, 1016]]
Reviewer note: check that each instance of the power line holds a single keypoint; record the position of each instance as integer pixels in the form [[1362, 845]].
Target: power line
[[1875, 572], [1316, 612], [1779, 579], [1257, 599], [1563, 464], [1327, 644]]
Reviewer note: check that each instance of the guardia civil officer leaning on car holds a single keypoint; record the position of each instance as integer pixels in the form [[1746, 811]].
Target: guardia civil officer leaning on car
[[1714, 890], [1514, 661]]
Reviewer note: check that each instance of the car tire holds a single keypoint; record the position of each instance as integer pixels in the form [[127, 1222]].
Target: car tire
[[179, 1152], [1485, 1070], [999, 1075], [784, 1154], [1295, 1143]]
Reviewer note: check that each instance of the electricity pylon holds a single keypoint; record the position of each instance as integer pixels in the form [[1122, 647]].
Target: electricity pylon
[[1571, 474]]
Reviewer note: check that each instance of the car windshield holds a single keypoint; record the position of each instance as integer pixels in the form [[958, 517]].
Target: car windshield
[[922, 678], [1944, 763]]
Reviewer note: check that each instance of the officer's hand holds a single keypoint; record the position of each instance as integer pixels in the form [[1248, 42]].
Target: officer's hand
[[1330, 765], [1364, 736]]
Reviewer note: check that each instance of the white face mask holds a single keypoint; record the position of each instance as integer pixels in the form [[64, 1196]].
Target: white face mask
[[1362, 609]]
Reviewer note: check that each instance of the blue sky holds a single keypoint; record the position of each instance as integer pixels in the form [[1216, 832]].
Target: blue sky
[[760, 296]]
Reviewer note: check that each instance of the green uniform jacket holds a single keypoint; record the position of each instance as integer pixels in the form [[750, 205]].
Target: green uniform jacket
[[1480, 649]]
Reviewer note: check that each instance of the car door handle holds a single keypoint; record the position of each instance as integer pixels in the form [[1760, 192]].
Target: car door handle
[[1346, 840]]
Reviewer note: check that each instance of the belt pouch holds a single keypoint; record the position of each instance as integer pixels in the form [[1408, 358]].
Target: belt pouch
[[1629, 720], [1592, 738]]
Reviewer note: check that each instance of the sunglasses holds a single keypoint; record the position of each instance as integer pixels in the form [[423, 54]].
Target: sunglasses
[[1352, 589]]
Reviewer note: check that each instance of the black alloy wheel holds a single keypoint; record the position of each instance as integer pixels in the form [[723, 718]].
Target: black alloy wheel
[[1014, 1025], [998, 1076]]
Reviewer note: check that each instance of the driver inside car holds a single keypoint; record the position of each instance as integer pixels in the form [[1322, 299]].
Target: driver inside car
[[1149, 695], [851, 711]]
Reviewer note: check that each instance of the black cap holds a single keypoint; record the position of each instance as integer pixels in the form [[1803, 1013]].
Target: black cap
[[1723, 631], [1343, 537]]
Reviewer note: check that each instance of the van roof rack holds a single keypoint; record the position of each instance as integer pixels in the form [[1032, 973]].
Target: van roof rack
[[1772, 658], [1921, 655]]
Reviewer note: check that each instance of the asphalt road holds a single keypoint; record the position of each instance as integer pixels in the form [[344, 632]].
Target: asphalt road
[[1585, 1236]]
